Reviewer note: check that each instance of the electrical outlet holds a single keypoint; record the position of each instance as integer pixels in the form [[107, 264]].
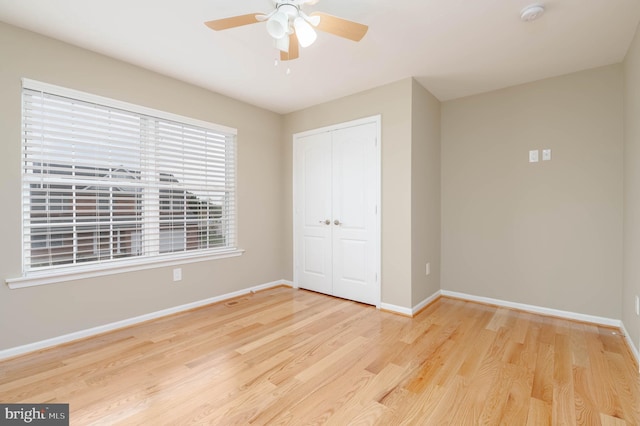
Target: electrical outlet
[[428, 268], [546, 155], [533, 156], [177, 274]]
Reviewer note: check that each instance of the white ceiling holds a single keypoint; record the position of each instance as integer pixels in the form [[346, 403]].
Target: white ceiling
[[454, 48]]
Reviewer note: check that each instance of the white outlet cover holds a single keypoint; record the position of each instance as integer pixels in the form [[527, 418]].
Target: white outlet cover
[[533, 156], [177, 274], [546, 154]]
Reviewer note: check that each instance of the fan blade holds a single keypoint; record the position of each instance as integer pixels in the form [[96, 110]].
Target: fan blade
[[294, 49], [340, 27], [294, 46], [234, 21]]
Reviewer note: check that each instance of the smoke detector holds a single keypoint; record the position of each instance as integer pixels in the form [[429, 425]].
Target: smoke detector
[[531, 13]]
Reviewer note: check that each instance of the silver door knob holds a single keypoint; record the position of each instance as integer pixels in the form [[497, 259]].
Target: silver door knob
[[336, 222], [326, 222]]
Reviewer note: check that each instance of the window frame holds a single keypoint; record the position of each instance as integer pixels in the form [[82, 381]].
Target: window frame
[[73, 271]]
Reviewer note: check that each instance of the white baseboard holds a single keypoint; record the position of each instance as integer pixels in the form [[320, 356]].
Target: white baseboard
[[535, 309], [396, 309], [267, 286], [43, 344], [409, 311], [426, 302], [632, 345]]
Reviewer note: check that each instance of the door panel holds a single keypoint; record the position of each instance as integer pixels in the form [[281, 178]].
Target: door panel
[[312, 209], [354, 264], [350, 174], [314, 261], [354, 206]]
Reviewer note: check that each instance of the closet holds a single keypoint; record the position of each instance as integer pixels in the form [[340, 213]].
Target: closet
[[336, 198]]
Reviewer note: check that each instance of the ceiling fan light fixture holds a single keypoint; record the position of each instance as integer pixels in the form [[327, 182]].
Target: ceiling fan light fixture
[[291, 28], [305, 32], [278, 25]]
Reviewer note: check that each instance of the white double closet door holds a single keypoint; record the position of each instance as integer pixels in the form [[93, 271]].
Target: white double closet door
[[336, 194]]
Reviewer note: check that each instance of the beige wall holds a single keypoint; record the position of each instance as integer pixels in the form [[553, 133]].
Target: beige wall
[[393, 102], [32, 314], [425, 193], [548, 233], [631, 287]]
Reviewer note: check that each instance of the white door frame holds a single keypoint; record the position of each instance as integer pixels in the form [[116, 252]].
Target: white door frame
[[377, 120]]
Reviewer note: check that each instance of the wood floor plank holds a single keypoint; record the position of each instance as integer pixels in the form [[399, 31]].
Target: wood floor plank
[[612, 421], [372, 392], [543, 374], [625, 385], [290, 357], [326, 403], [606, 400], [450, 403], [585, 405], [516, 410], [289, 329], [481, 379], [539, 413], [563, 404], [413, 408]]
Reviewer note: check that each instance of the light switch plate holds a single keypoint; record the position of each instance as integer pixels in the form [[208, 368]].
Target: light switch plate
[[533, 156], [546, 154]]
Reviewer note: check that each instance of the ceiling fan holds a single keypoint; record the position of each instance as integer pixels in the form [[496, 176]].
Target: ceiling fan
[[290, 27]]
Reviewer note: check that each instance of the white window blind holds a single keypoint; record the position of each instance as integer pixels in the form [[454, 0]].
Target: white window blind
[[106, 182]]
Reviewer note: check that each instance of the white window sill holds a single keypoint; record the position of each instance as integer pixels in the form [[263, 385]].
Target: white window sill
[[78, 273]]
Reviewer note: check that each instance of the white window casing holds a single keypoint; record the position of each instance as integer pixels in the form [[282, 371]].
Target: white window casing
[[109, 186]]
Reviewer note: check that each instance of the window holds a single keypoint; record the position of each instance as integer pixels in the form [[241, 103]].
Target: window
[[107, 183]]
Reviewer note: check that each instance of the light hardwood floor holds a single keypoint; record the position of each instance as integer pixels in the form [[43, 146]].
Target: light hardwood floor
[[287, 356]]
